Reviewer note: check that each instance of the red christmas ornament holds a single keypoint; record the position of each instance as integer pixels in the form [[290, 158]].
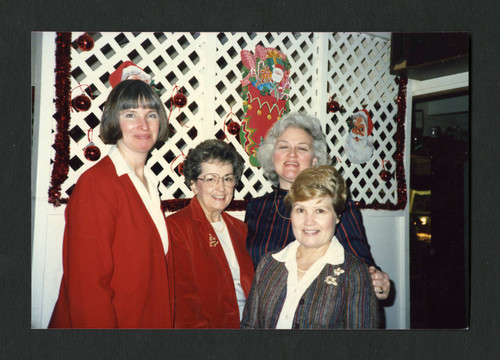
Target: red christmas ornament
[[92, 152], [179, 100], [333, 106], [81, 103], [85, 42], [385, 175], [233, 128], [180, 168]]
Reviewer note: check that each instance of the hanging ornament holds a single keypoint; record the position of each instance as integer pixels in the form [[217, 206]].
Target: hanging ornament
[[180, 167], [232, 127], [384, 174], [81, 102], [91, 151], [85, 42], [179, 99], [333, 106]]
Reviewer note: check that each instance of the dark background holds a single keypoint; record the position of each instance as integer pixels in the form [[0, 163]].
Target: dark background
[[19, 18]]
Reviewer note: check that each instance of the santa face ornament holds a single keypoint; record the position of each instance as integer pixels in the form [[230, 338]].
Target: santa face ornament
[[359, 142]]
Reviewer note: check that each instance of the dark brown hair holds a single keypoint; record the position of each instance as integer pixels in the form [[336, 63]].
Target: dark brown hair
[[130, 94]]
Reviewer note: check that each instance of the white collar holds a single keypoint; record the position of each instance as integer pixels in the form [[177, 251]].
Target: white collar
[[122, 167], [334, 255]]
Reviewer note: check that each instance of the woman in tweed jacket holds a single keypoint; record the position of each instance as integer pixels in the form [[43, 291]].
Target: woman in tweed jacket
[[312, 283]]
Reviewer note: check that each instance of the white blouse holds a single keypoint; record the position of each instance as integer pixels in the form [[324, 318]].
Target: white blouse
[[334, 255], [150, 196], [232, 260]]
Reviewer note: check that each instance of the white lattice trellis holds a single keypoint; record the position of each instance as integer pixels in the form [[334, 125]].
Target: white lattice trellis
[[358, 72], [207, 66]]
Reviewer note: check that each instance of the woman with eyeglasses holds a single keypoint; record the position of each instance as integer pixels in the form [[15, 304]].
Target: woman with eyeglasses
[[213, 271]]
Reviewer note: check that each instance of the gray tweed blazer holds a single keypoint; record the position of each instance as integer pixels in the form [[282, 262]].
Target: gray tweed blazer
[[351, 304]]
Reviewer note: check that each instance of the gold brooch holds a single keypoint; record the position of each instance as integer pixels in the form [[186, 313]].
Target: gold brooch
[[212, 240], [338, 271], [330, 280]]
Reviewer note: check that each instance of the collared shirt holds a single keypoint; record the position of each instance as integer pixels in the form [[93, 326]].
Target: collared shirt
[[334, 255], [269, 227], [150, 196]]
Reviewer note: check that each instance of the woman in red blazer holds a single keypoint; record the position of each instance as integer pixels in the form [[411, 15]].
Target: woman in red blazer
[[212, 269], [116, 274]]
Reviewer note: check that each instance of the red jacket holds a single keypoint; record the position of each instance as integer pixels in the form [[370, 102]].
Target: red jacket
[[115, 271], [204, 290]]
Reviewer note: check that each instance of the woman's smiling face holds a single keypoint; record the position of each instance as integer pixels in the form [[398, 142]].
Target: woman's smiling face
[[314, 222], [139, 128], [214, 198], [293, 152]]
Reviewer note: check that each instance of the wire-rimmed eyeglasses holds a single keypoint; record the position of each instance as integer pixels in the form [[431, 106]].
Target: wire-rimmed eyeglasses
[[211, 180]]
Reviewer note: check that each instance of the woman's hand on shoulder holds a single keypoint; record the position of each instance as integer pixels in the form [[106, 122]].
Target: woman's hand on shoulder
[[381, 283]]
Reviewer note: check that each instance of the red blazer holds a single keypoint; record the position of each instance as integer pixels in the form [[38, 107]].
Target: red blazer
[[115, 271], [204, 290]]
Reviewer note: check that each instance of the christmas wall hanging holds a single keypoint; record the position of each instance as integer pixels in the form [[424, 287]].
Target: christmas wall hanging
[[359, 142], [205, 71], [266, 88]]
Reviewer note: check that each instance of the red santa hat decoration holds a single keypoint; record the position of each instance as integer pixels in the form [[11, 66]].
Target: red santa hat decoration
[[128, 70]]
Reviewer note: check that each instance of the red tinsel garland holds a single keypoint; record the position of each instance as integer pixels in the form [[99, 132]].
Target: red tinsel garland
[[63, 117], [398, 155]]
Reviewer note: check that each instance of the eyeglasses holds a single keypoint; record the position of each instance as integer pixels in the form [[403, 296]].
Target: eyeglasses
[[211, 180]]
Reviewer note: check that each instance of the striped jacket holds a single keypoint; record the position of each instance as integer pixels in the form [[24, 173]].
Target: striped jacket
[[268, 230], [351, 304]]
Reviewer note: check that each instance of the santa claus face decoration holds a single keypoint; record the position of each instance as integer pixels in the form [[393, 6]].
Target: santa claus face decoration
[[359, 143], [278, 74], [359, 130]]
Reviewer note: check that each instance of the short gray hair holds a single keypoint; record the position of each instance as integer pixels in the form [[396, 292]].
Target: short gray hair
[[309, 124]]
